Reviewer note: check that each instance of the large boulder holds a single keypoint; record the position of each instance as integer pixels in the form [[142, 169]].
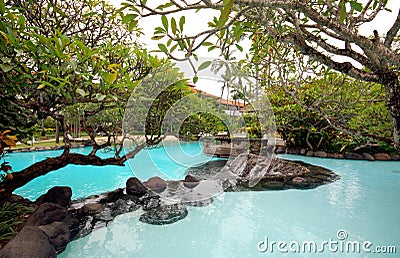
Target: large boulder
[[135, 187], [31, 241], [165, 214], [48, 213], [58, 233], [60, 195], [156, 184]]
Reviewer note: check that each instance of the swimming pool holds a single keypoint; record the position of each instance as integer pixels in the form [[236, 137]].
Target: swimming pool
[[362, 207], [89, 180]]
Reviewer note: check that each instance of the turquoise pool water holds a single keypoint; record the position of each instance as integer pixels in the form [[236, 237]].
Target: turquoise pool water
[[363, 205], [90, 180]]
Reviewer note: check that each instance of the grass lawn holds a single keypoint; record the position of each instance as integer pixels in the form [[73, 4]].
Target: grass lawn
[[50, 143]]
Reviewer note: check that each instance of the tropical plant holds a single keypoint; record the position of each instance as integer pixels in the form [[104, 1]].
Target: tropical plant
[[10, 218]]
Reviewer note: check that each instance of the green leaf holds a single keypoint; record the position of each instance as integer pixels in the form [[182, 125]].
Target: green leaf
[[195, 79], [223, 18], [110, 77], [163, 48], [211, 48], [204, 65], [164, 21], [129, 17], [356, 6], [163, 6], [207, 44], [181, 22], [157, 37], [169, 42], [81, 92], [239, 47], [6, 67], [343, 12], [173, 25], [132, 25], [173, 48], [2, 7]]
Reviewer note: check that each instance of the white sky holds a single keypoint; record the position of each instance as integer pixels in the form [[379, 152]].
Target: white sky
[[197, 22]]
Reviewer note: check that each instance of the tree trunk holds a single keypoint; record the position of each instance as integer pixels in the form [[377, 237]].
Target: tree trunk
[[50, 164], [392, 85], [42, 127], [57, 132]]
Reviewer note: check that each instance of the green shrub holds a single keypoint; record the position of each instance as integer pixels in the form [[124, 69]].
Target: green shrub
[[10, 217]]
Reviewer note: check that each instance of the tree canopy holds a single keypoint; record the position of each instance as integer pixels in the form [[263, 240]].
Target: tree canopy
[[323, 30], [70, 58]]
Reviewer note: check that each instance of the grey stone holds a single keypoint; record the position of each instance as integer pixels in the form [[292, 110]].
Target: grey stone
[[190, 178], [92, 208], [31, 241], [310, 153], [58, 233], [165, 214], [156, 184], [151, 203], [335, 156], [368, 156], [135, 187], [48, 213], [60, 195], [395, 157], [320, 154], [294, 151], [352, 155]]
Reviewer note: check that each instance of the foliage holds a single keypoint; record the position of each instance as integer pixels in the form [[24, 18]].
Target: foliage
[[10, 218], [319, 29], [199, 124], [6, 141], [56, 56], [334, 114]]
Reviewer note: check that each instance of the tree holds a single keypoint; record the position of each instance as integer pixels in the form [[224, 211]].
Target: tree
[[361, 120], [319, 29], [51, 69]]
